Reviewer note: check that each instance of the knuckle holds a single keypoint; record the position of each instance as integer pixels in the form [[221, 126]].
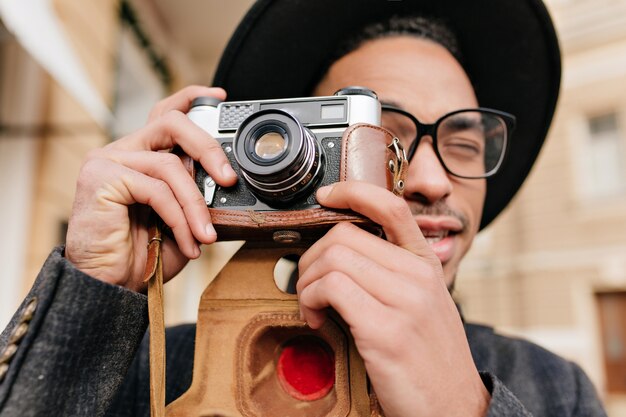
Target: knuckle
[[197, 199], [212, 148], [191, 89], [170, 119], [107, 152], [306, 301], [340, 229], [338, 255], [398, 209], [157, 109], [169, 160], [336, 281], [335, 254], [396, 331], [212, 153], [84, 180], [90, 173], [427, 275], [299, 287], [301, 263], [91, 165], [161, 188], [419, 304]]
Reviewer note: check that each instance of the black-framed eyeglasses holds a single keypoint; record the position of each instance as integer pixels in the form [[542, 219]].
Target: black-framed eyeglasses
[[470, 143]]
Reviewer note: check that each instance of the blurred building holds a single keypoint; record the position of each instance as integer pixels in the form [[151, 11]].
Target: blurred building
[[74, 76], [44, 131], [552, 268]]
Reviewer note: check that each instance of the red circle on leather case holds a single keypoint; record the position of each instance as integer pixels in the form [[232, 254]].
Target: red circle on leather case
[[306, 368]]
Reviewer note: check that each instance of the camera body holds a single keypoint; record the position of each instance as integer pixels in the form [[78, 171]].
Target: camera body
[[282, 150]]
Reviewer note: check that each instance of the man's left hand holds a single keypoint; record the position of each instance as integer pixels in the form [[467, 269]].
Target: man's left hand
[[393, 296]]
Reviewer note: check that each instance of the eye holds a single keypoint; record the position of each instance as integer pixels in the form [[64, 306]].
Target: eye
[[462, 136], [463, 145]]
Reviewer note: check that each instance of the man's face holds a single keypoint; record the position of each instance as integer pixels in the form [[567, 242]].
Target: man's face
[[424, 79]]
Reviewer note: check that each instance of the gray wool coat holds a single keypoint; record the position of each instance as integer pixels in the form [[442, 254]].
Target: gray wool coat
[[74, 348]]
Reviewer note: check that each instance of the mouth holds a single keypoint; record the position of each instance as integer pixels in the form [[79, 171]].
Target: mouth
[[440, 233]]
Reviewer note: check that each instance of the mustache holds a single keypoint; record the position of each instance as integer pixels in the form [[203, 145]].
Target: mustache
[[439, 208]]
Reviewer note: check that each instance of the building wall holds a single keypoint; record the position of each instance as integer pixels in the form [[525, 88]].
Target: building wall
[[56, 133], [21, 82], [92, 28], [52, 137]]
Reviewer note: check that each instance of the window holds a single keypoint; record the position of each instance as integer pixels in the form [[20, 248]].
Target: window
[[605, 171]]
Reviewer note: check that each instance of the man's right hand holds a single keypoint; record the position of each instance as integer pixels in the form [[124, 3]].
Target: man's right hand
[[117, 184]]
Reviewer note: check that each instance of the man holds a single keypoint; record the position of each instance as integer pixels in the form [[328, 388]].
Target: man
[[393, 293]]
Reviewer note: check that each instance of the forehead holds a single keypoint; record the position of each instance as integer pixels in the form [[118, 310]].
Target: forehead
[[418, 75]]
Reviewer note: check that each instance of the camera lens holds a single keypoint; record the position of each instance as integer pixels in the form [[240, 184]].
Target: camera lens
[[279, 158], [270, 145]]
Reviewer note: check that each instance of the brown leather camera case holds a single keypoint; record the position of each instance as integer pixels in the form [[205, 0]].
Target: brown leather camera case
[[245, 321]]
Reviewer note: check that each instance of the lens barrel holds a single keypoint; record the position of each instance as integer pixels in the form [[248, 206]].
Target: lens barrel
[[279, 158]]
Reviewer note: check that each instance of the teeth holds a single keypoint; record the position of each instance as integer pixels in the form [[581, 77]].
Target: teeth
[[435, 236], [439, 234]]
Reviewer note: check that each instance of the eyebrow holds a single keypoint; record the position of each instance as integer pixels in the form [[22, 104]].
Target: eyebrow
[[457, 123], [465, 123], [392, 103]]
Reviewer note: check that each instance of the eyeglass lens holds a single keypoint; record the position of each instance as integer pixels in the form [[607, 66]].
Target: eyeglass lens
[[470, 143]]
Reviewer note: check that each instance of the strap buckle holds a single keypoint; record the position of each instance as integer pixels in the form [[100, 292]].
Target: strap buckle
[[398, 166]]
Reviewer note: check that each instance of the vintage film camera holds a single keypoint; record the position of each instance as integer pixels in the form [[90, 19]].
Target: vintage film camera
[[254, 356], [283, 150]]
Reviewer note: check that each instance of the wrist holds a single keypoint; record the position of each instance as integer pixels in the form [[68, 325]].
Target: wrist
[[94, 268]]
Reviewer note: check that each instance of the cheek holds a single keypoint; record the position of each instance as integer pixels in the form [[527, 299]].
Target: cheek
[[473, 193]]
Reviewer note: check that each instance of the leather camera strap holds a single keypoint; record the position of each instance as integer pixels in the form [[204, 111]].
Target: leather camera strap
[[154, 276]]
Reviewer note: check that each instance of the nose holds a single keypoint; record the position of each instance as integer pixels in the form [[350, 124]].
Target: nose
[[427, 180]]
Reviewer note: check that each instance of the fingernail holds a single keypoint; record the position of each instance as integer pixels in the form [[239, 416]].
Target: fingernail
[[197, 251], [323, 192], [210, 230], [228, 171]]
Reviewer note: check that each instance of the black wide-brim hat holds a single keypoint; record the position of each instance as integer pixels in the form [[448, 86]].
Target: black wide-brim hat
[[509, 50]]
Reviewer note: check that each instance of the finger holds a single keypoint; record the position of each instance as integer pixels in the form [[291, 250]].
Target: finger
[[170, 250], [382, 207], [128, 187], [338, 291], [176, 260], [387, 287], [182, 100], [169, 168], [175, 128], [385, 253]]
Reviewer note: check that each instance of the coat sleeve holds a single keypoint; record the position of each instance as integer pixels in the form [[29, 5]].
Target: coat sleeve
[[503, 402], [587, 401], [68, 347], [525, 379], [578, 398]]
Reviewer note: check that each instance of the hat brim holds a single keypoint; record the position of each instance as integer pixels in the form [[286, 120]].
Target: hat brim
[[509, 47]]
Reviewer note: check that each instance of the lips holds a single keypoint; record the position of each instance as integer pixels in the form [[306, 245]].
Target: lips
[[440, 233]]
